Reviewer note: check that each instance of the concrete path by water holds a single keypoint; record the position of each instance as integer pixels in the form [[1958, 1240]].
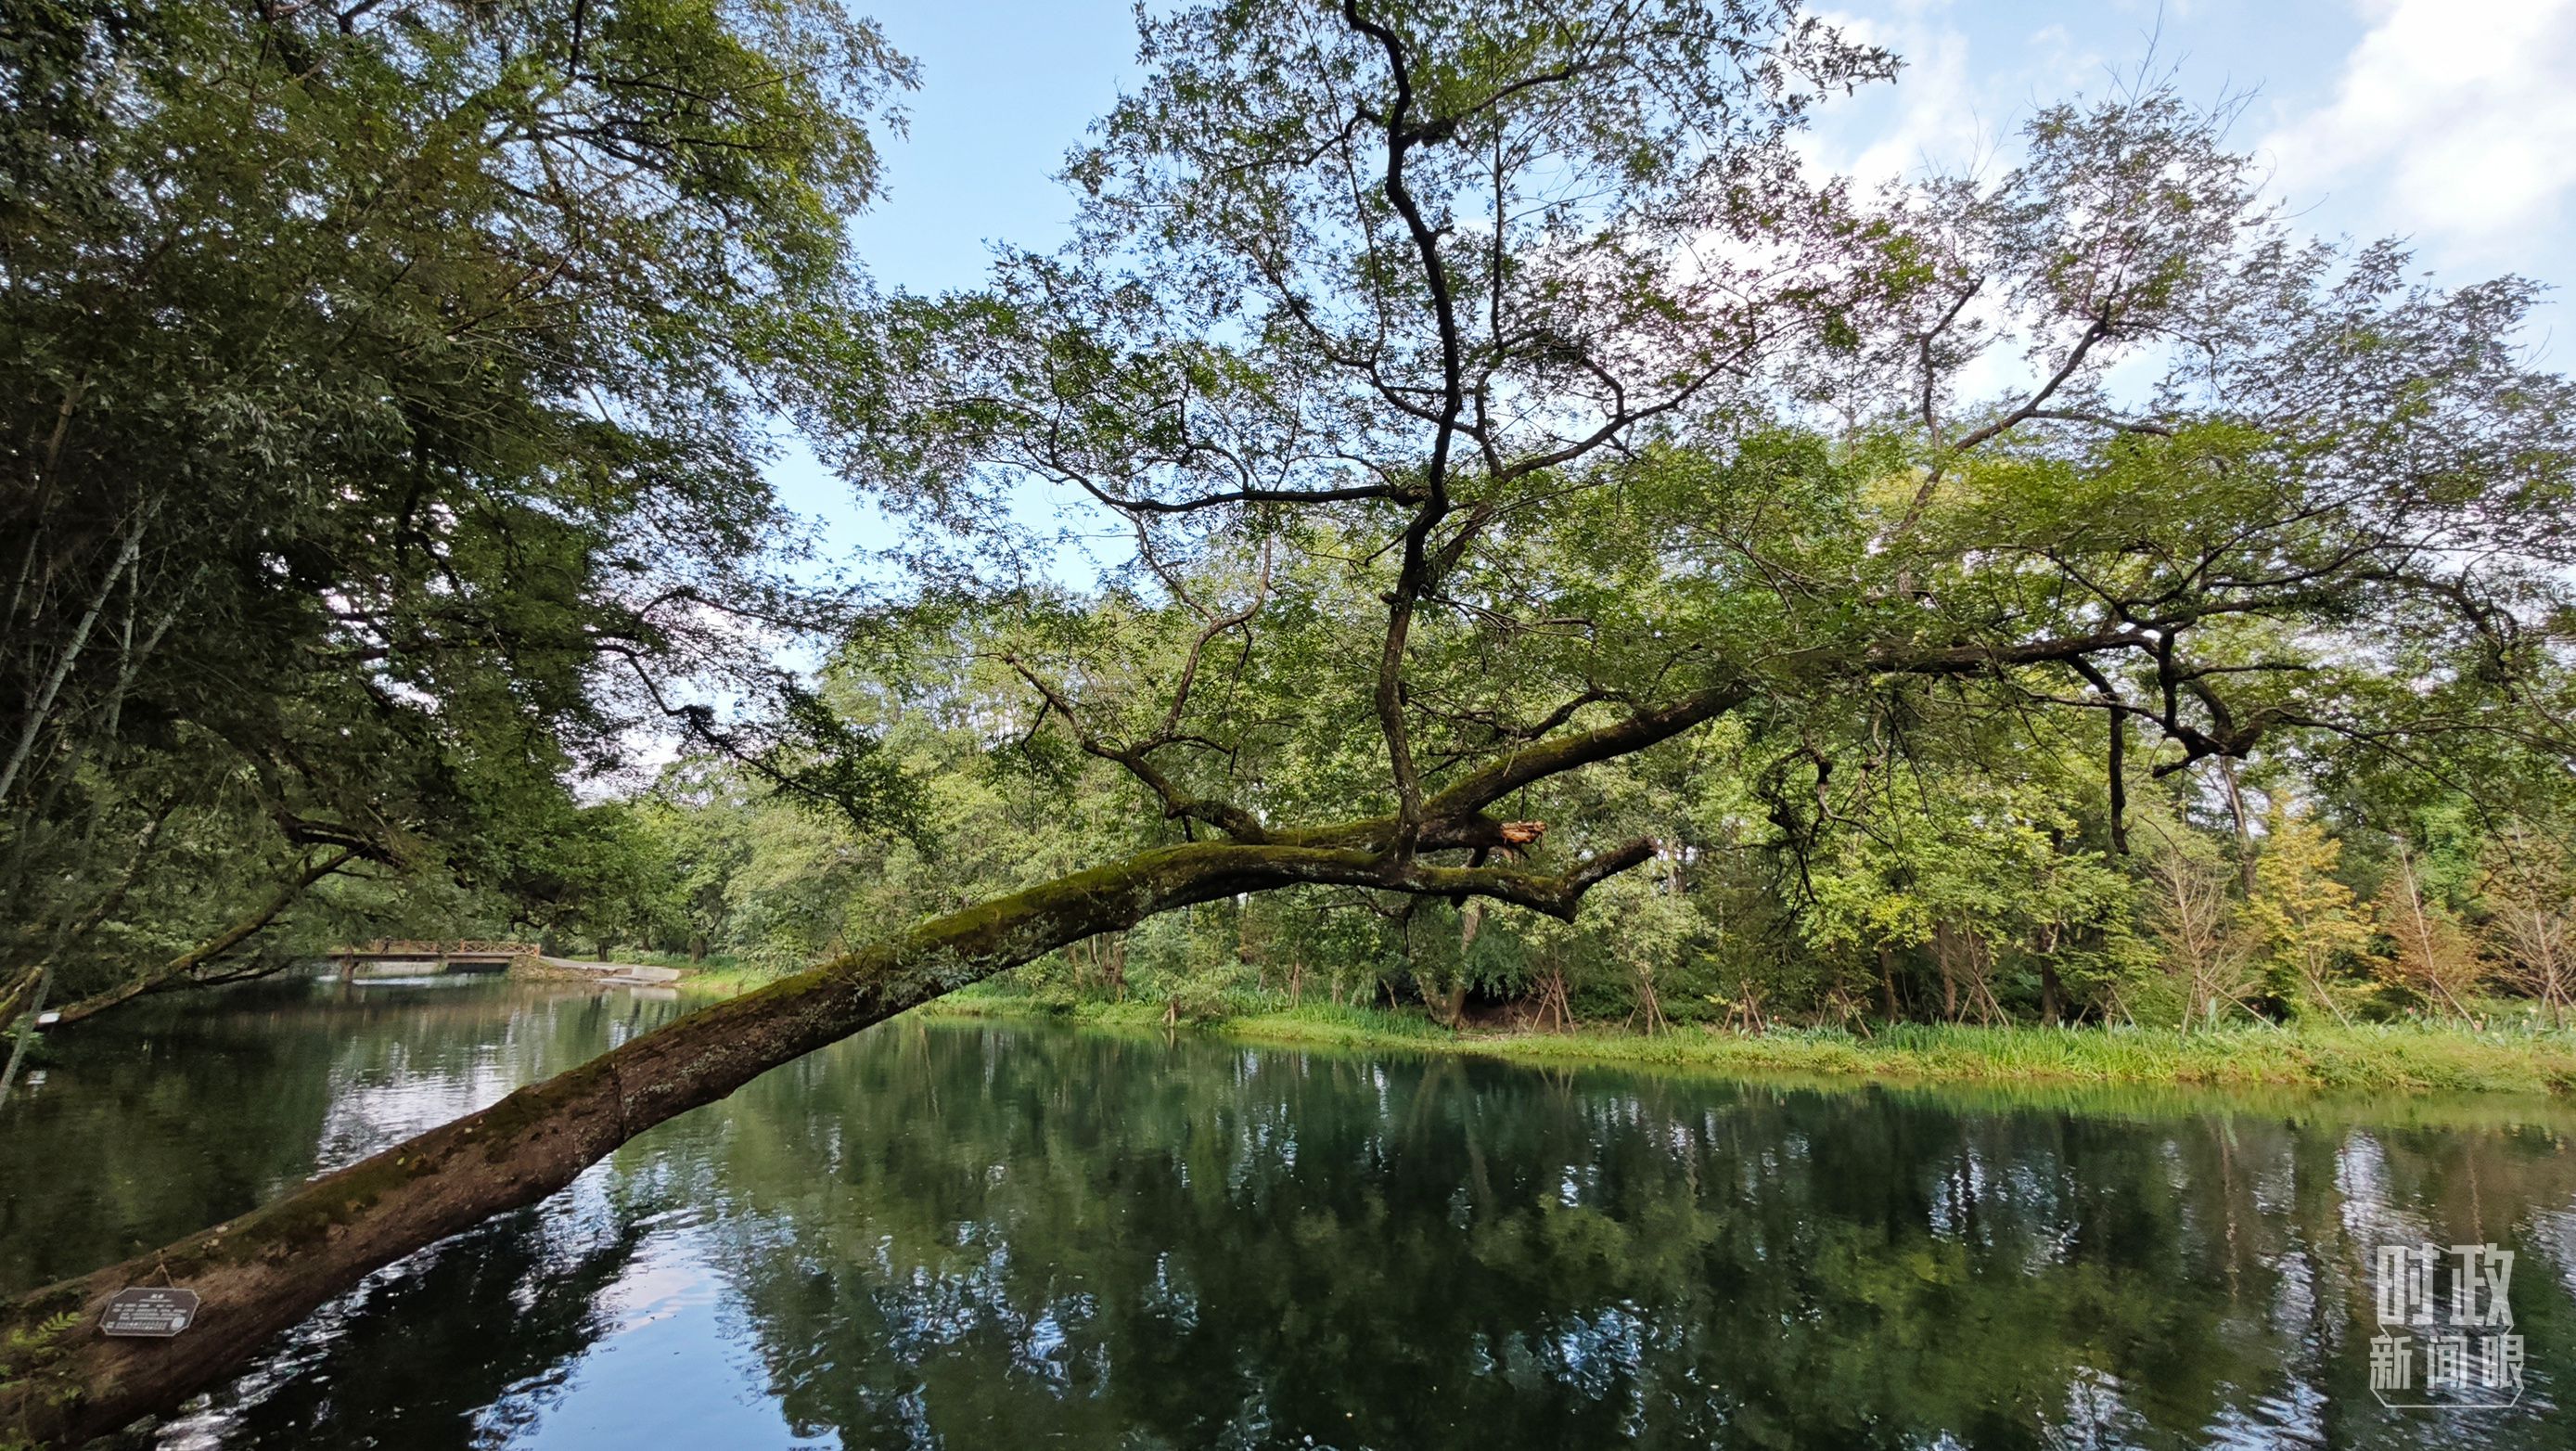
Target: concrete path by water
[[632, 974]]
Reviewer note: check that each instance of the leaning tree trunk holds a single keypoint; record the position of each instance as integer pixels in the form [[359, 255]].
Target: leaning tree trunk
[[176, 971], [262, 1272]]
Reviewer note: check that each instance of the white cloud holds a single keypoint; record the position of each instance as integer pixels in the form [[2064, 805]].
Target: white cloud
[[1936, 126], [2453, 119], [1970, 79]]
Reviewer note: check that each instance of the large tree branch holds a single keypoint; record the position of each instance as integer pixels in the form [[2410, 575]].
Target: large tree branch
[[2031, 407], [1481, 788], [1178, 805], [1413, 575], [1465, 798], [175, 972], [262, 1271]]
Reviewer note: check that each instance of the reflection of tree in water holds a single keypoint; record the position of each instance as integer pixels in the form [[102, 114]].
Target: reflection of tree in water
[[994, 1238], [170, 1117], [944, 1233], [462, 1345], [174, 1116]]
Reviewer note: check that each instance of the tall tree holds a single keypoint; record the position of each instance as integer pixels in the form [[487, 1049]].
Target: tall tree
[[2206, 952], [2433, 956], [1491, 396], [2530, 896], [385, 393], [2306, 917]]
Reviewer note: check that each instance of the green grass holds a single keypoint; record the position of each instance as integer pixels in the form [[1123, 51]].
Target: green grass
[[719, 962], [716, 977], [2413, 1057], [2417, 1057], [1310, 1023]]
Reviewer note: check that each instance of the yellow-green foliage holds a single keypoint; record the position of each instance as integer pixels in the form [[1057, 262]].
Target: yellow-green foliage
[[2304, 916]]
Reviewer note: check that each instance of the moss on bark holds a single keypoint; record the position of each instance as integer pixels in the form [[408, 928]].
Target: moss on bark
[[262, 1272]]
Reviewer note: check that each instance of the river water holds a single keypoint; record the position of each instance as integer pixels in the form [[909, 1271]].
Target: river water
[[965, 1235]]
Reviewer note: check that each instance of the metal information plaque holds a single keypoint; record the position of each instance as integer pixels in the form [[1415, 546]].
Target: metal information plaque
[[149, 1312]]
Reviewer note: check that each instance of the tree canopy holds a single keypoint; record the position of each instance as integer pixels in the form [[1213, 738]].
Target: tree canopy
[[1532, 469], [388, 390]]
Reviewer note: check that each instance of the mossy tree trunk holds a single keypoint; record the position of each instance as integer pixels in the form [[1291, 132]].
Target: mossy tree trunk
[[264, 1271]]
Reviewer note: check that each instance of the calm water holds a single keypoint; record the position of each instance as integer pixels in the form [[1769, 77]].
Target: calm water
[[967, 1236]]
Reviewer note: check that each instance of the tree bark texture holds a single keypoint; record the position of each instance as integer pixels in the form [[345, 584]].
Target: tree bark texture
[[264, 1271]]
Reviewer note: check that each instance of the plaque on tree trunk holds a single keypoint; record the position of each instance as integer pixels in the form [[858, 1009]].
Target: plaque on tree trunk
[[140, 1311]]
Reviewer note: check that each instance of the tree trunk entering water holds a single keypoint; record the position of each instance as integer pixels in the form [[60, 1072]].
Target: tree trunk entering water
[[261, 1273]]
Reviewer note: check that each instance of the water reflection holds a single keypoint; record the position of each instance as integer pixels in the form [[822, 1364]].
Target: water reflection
[[972, 1236]]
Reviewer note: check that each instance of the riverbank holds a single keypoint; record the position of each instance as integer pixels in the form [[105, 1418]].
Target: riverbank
[[601, 973], [2411, 1057], [725, 981]]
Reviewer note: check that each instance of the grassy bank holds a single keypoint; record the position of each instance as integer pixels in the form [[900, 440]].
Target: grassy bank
[[721, 979], [2413, 1057]]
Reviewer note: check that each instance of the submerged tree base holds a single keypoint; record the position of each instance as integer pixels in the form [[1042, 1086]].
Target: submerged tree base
[[2410, 1057], [64, 1383]]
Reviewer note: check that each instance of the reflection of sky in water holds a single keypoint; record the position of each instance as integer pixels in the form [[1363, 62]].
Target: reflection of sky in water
[[974, 1237], [667, 1370], [392, 1101]]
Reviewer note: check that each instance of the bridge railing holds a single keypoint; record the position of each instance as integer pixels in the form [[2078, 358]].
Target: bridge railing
[[453, 947]]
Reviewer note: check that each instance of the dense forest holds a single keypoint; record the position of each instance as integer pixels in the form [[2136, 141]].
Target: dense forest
[[1961, 870], [2285, 525], [1957, 876], [1472, 520]]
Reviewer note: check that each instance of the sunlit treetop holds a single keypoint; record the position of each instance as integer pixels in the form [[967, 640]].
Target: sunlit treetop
[[1504, 377]]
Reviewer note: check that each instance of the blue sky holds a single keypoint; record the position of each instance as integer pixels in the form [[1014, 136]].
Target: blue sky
[[2452, 122]]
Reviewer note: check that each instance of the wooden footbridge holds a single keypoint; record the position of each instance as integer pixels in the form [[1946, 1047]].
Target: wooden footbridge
[[406, 959], [455, 955]]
